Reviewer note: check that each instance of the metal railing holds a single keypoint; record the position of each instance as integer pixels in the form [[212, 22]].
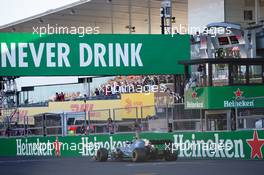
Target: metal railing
[[250, 119], [147, 118]]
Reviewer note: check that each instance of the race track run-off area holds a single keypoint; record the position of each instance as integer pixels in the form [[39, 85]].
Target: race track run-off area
[[69, 166]]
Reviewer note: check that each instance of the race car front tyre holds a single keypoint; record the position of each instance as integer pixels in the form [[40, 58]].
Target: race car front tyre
[[139, 155], [102, 155]]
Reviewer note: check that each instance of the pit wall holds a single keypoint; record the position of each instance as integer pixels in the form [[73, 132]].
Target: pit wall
[[213, 145]]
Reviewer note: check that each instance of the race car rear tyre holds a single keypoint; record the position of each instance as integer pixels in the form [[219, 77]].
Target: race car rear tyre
[[102, 155], [169, 156], [139, 155]]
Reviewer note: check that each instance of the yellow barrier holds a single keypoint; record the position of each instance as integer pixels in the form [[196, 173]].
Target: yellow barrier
[[126, 104]]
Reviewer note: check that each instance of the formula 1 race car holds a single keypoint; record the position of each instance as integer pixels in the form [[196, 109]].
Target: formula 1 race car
[[139, 150]]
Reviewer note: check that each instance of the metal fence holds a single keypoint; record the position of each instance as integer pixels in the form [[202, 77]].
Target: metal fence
[[250, 119], [146, 118]]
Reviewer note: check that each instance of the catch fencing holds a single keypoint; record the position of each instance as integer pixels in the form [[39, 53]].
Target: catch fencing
[[119, 120]]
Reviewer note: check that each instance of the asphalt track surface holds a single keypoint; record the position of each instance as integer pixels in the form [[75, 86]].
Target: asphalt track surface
[[85, 166]]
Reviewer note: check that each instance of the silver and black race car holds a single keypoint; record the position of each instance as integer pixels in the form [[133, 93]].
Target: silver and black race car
[[139, 150]]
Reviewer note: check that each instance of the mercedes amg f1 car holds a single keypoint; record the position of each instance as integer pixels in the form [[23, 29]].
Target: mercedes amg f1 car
[[139, 150]]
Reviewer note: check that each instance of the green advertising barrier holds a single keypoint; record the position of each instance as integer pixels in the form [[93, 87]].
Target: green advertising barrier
[[225, 97], [209, 145], [26, 54]]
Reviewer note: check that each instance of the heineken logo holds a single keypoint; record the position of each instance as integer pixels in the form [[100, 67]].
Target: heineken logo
[[238, 101], [239, 145], [194, 103], [238, 93], [85, 146], [194, 95], [256, 145], [36, 148], [213, 148]]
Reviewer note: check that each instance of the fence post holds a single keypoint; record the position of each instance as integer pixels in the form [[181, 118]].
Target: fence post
[[141, 113], [65, 120], [109, 113], [201, 120], [109, 116], [89, 124], [172, 115], [137, 114], [167, 115], [206, 123], [62, 125], [27, 127], [24, 125], [85, 115], [114, 122], [236, 114], [43, 127]]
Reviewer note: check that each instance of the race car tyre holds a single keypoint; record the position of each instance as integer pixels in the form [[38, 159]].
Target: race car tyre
[[102, 155], [151, 153], [139, 155], [169, 156]]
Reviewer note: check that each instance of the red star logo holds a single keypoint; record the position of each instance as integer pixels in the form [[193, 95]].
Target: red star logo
[[256, 145], [238, 93], [57, 146], [194, 95]]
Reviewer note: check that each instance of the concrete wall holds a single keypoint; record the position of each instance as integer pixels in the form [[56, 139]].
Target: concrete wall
[[202, 12], [234, 11], [230, 145]]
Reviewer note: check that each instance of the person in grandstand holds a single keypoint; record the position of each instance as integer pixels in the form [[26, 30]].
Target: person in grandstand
[[137, 128], [110, 125]]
